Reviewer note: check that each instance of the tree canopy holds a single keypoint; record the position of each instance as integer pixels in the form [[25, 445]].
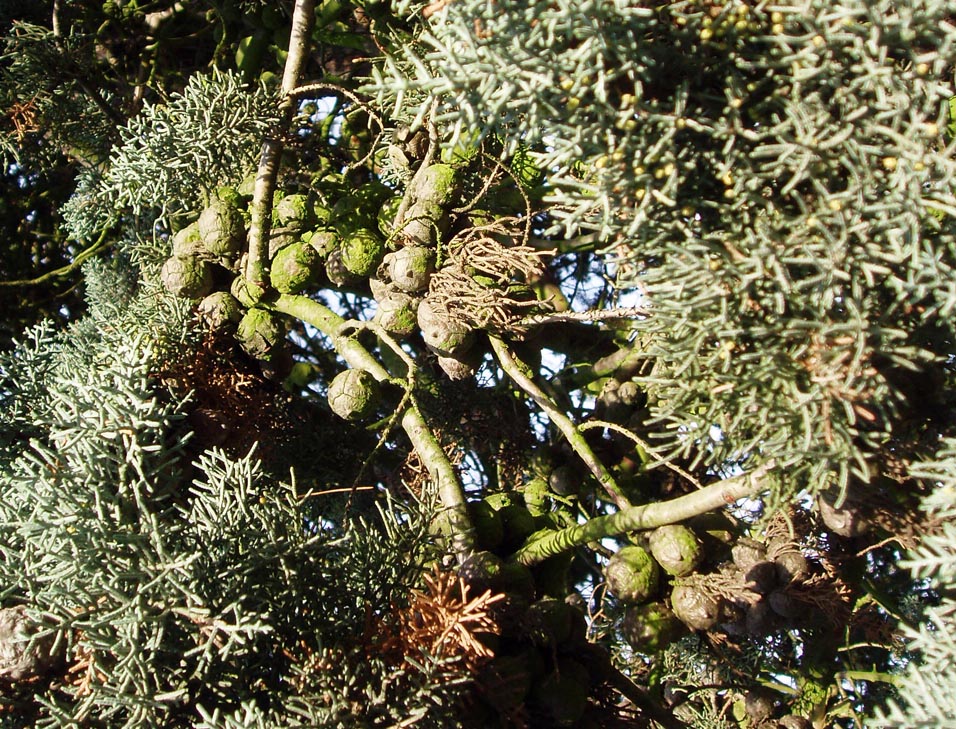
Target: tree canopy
[[468, 363]]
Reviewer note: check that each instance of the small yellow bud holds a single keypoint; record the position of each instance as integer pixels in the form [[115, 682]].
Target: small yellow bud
[[727, 179], [835, 205], [922, 69], [573, 103], [818, 41], [776, 17], [669, 168], [919, 166], [730, 193], [736, 103], [680, 122], [706, 34], [889, 163], [931, 129], [777, 29], [639, 169]]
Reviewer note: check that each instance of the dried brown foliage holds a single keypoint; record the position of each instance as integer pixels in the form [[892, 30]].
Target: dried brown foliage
[[445, 622], [483, 282]]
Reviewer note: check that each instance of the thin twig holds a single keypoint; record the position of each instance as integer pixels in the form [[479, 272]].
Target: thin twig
[[408, 384], [101, 244], [643, 444], [515, 371], [311, 493], [419, 175]]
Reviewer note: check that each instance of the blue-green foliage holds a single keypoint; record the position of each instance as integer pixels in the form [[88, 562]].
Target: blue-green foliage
[[173, 156], [928, 688], [770, 178], [185, 586]]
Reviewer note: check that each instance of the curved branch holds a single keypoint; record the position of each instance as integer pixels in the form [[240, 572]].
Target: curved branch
[[548, 543], [515, 371], [440, 469], [100, 245], [256, 272]]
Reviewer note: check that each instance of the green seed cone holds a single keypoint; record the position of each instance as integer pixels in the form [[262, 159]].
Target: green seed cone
[[697, 609], [410, 268], [294, 211], [189, 277], [336, 271], [222, 229], [650, 628], [386, 215], [436, 184], [442, 333], [353, 394], [295, 268], [423, 224], [324, 241], [188, 242], [676, 548], [397, 313], [260, 333], [362, 252], [518, 526], [220, 310], [489, 528], [632, 575], [562, 695], [548, 622]]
